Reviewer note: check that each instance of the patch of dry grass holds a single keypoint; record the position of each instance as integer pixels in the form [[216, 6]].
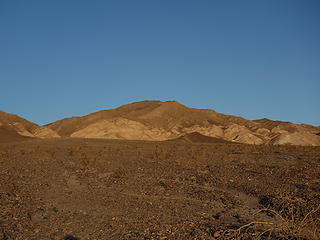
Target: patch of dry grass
[[290, 222]]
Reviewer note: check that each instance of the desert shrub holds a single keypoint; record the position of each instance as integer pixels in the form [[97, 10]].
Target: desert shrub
[[119, 172], [291, 221], [3, 154]]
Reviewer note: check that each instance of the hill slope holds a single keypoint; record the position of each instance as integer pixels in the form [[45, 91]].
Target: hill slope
[[156, 120], [15, 128], [196, 137]]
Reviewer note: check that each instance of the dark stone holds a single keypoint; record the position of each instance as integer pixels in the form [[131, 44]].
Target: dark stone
[[69, 237], [237, 216], [266, 201], [217, 216]]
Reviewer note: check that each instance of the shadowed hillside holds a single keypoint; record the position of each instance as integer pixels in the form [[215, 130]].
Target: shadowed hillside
[[10, 135], [13, 127], [196, 137]]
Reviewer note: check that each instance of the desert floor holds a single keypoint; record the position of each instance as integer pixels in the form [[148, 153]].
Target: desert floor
[[114, 189]]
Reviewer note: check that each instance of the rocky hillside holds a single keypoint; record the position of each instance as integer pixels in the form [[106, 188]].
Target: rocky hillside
[[14, 128], [156, 120]]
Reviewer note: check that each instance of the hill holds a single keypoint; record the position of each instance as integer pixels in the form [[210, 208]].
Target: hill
[[15, 128], [158, 121], [196, 137]]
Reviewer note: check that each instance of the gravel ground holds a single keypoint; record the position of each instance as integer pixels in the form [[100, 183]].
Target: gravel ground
[[113, 189]]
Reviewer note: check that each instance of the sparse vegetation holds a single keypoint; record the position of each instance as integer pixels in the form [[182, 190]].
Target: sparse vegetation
[[289, 223], [112, 189]]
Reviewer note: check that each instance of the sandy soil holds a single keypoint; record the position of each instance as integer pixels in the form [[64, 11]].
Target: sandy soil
[[116, 189]]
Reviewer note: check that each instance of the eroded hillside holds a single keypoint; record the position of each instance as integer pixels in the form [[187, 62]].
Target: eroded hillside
[[15, 128], [158, 121]]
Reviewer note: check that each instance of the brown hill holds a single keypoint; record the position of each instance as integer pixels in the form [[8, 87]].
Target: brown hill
[[196, 137], [10, 135], [15, 128], [156, 120]]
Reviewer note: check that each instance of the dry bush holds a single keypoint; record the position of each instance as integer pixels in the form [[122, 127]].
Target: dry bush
[[4, 154], [84, 160], [139, 154], [70, 151], [117, 151], [119, 172], [160, 154], [290, 222], [45, 155]]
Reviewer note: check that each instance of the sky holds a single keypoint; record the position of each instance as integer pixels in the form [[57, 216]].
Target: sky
[[248, 58]]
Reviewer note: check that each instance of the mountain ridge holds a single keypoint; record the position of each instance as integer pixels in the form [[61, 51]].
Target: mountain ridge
[[158, 121], [155, 120]]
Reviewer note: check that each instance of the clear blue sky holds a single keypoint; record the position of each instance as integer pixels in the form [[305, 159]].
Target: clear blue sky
[[253, 58]]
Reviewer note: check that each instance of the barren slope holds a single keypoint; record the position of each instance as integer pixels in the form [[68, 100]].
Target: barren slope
[[15, 128], [8, 134], [196, 137], [156, 120]]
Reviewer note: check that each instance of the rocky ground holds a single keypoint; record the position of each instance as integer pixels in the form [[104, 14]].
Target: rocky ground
[[114, 189]]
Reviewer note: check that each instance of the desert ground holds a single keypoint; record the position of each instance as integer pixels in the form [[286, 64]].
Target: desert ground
[[69, 188]]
